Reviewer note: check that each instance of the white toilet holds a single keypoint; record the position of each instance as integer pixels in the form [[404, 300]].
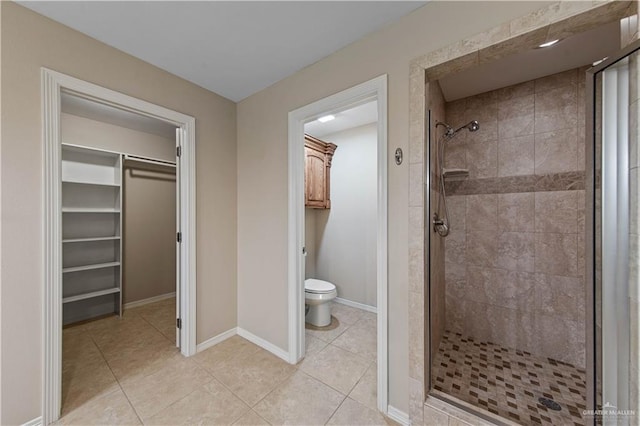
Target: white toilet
[[317, 295]]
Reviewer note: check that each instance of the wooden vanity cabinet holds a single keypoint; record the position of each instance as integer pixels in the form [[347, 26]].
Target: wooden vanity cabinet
[[317, 172]]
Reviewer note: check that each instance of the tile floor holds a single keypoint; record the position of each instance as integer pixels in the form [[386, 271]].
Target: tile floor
[[128, 371], [509, 382]]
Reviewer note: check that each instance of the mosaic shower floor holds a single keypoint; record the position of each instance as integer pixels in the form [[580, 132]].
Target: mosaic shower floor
[[508, 382]]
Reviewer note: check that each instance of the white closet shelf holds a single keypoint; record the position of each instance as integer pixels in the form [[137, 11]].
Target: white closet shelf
[[90, 239], [80, 182], [90, 295], [90, 267], [88, 210]]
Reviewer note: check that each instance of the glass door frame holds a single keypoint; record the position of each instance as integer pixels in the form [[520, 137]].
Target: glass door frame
[[594, 350]]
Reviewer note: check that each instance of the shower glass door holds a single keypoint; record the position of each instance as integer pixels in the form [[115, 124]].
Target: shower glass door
[[612, 234]]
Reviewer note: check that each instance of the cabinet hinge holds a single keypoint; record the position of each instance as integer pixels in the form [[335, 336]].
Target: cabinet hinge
[[179, 237], [178, 151], [178, 323]]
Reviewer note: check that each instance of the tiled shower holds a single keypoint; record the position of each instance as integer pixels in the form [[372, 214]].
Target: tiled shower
[[507, 284]]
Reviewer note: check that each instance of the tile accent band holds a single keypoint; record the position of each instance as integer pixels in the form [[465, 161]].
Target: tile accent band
[[564, 181]]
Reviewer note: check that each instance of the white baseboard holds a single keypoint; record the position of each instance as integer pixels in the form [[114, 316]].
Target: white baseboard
[[398, 416], [263, 344], [216, 339], [34, 422], [149, 300], [362, 306]]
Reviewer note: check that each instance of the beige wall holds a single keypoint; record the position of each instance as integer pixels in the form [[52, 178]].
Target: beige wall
[[149, 224], [346, 247], [262, 164], [30, 41], [83, 131]]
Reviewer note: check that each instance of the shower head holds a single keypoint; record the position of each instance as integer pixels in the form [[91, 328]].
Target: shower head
[[472, 126]]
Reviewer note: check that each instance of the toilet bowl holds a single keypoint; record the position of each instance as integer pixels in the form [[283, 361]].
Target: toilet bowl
[[317, 295]]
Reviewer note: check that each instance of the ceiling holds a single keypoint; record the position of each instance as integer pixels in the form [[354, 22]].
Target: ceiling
[[573, 52], [234, 49], [344, 120]]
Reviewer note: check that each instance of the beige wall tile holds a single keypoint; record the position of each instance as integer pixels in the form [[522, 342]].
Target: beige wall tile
[[563, 340], [556, 109], [515, 91], [456, 246], [557, 212], [556, 151], [557, 254], [516, 251], [516, 156], [516, 117], [482, 158], [482, 248], [560, 296], [516, 212], [555, 81], [482, 212]]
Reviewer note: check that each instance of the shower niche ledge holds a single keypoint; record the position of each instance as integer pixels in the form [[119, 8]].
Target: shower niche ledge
[[455, 174]]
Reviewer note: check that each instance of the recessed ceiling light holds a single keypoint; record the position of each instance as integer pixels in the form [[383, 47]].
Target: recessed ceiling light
[[326, 118], [600, 61], [549, 43]]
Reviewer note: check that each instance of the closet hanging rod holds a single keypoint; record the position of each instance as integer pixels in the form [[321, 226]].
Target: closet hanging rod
[[149, 161]]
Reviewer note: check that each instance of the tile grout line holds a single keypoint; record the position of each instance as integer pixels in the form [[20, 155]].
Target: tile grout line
[[117, 381]]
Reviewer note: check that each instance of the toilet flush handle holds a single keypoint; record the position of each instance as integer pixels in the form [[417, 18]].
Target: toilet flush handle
[[304, 251]]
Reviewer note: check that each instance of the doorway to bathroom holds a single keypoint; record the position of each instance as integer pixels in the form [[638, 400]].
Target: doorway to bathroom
[[338, 242]]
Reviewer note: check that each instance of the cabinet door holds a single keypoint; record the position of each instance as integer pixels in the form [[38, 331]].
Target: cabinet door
[[315, 189]]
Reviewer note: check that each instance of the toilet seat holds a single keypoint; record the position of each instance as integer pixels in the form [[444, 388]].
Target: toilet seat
[[314, 286]]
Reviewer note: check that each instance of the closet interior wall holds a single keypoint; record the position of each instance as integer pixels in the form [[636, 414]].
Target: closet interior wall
[[148, 210]]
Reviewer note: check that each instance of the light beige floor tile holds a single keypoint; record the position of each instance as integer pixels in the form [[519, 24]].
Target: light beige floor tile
[[313, 344], [346, 314], [251, 418], [328, 333], [83, 383], [251, 376], [369, 318], [335, 367], [110, 409], [360, 339], [366, 391], [233, 347], [141, 359], [212, 404], [80, 352], [301, 400], [433, 417], [175, 380], [119, 334], [352, 412]]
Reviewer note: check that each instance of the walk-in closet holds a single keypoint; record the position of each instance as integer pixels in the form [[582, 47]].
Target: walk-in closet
[[118, 196]]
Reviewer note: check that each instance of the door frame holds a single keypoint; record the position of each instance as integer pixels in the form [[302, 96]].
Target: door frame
[[53, 84], [375, 89]]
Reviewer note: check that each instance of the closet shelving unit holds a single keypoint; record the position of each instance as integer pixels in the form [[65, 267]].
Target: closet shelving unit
[[91, 233]]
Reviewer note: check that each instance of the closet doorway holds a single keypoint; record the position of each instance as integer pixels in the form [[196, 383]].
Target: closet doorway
[[119, 239]]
